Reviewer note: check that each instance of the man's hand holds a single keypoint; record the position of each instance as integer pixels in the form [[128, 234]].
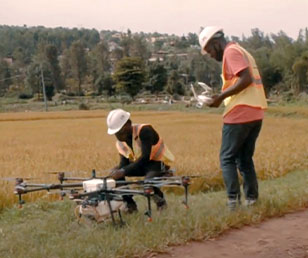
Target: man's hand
[[217, 99], [117, 174]]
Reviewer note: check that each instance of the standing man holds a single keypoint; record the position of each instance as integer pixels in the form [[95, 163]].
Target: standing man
[[244, 99], [142, 153]]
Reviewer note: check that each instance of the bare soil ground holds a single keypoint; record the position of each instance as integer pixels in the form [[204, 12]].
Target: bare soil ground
[[284, 237]]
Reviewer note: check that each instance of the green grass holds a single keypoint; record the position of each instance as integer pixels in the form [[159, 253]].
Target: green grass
[[297, 109], [49, 229]]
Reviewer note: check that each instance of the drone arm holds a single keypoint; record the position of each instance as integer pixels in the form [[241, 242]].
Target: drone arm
[[22, 189]]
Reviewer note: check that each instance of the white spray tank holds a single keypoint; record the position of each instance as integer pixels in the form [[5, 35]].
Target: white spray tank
[[98, 184]]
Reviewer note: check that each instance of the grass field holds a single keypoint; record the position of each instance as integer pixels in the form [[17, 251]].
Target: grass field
[[34, 143], [50, 229]]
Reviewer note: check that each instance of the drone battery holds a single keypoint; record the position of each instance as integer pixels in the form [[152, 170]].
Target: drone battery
[[98, 184]]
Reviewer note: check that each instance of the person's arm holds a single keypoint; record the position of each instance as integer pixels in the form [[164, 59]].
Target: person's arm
[[242, 83], [148, 137], [118, 172]]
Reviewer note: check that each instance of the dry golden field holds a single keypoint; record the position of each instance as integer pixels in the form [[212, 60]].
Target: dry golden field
[[35, 143]]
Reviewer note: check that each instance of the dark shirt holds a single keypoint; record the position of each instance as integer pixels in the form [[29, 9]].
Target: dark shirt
[[148, 137]]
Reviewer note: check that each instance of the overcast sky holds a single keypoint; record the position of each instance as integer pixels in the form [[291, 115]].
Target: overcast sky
[[179, 17]]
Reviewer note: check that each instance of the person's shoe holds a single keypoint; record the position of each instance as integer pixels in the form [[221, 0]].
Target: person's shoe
[[131, 207], [250, 202], [233, 204]]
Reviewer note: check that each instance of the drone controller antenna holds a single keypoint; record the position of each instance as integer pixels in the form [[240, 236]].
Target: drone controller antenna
[[93, 173]]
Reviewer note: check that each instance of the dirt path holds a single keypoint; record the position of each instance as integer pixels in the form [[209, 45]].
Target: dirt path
[[284, 237]]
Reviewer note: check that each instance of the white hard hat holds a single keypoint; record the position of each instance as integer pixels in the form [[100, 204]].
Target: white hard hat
[[116, 119], [206, 34]]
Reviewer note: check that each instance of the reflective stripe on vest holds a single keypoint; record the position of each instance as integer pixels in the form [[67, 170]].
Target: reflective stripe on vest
[[253, 95], [159, 151]]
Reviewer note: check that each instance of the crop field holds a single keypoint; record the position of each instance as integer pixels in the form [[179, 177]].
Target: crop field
[[33, 144]]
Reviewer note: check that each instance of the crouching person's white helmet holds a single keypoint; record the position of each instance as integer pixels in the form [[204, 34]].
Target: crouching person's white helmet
[[116, 119]]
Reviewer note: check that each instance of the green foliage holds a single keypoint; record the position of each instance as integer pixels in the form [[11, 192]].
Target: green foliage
[[300, 69], [129, 75], [104, 83], [78, 63], [75, 54], [51, 54], [5, 77], [174, 85], [157, 77], [34, 79], [100, 66]]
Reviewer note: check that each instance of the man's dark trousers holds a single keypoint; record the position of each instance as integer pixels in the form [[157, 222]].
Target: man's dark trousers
[[237, 149]]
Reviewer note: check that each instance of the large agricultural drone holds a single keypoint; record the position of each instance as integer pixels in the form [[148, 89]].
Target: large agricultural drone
[[99, 198]]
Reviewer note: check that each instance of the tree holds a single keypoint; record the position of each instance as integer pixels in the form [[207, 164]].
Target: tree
[[182, 43], [300, 69], [193, 39], [174, 85], [157, 77], [34, 79], [5, 77], [205, 69], [126, 43], [139, 48], [78, 63], [100, 68], [158, 44], [104, 83], [51, 53], [65, 64], [129, 75]]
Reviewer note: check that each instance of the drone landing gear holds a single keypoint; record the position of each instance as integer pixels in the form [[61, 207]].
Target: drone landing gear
[[185, 183], [20, 201]]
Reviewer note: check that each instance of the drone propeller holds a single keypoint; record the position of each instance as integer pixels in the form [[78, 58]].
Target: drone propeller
[[62, 176], [14, 179], [207, 88]]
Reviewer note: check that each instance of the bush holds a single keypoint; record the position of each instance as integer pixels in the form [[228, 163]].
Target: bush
[[25, 96], [83, 106]]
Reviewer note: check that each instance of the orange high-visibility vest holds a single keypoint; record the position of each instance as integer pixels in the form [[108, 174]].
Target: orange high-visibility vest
[[253, 95], [159, 152]]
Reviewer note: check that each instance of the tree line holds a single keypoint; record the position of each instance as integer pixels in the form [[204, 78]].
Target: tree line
[[82, 61]]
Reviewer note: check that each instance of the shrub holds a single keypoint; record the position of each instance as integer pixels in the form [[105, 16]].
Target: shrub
[[83, 106], [25, 96]]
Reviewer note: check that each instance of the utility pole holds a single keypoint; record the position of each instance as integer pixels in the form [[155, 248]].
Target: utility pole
[[44, 89]]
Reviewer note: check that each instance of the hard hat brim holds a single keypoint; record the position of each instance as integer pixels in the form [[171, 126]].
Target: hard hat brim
[[113, 131]]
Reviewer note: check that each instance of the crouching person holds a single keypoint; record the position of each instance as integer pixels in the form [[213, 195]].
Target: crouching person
[[143, 153]]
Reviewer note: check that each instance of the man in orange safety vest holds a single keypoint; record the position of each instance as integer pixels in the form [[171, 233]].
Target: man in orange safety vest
[[142, 153], [244, 99]]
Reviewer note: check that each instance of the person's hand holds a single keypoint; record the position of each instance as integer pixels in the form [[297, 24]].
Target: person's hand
[[117, 174], [217, 99]]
